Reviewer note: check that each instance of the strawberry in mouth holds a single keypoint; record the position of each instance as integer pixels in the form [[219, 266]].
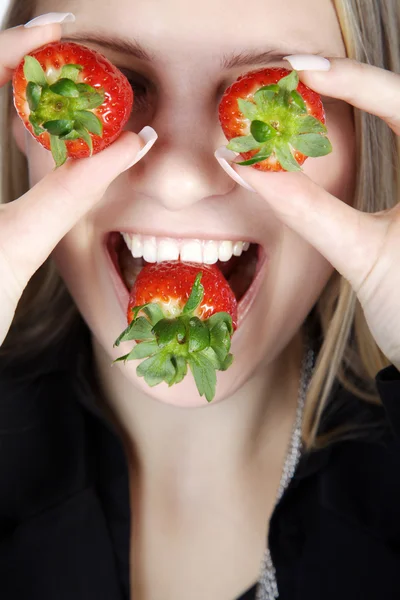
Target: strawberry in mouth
[[239, 265], [183, 313]]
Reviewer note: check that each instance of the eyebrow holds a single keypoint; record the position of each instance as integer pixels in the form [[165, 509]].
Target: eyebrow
[[228, 61]]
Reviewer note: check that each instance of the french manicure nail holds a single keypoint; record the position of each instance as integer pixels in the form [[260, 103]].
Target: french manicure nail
[[149, 136], [308, 62], [49, 18], [223, 155]]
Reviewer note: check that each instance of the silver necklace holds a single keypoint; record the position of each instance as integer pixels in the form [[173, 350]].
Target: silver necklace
[[267, 587]]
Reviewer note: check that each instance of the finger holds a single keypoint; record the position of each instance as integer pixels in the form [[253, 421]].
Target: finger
[[18, 41], [370, 88], [349, 239], [32, 225]]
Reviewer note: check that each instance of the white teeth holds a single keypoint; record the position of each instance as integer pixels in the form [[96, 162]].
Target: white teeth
[[192, 251], [210, 252], [167, 249], [225, 250], [149, 249], [137, 246], [127, 239], [154, 249], [237, 248]]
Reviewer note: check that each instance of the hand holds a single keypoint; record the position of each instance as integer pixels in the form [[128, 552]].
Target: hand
[[31, 226], [363, 247]]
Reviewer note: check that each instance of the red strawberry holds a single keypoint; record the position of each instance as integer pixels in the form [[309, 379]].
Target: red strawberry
[[181, 322], [273, 120], [71, 99]]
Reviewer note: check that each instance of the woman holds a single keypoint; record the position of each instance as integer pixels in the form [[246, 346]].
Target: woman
[[112, 489]]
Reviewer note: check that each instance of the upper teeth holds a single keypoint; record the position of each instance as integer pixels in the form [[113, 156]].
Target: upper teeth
[[154, 249]]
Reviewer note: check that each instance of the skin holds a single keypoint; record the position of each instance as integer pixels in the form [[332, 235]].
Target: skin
[[191, 462]]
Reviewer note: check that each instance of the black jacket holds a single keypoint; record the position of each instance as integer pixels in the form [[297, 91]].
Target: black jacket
[[64, 498]]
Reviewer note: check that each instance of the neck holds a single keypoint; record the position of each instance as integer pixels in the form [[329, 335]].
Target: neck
[[167, 441]]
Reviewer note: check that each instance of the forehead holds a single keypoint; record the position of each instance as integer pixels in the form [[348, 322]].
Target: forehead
[[187, 30]]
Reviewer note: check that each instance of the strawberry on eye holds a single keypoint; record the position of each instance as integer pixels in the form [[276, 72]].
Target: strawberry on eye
[[72, 99], [181, 314], [273, 120]]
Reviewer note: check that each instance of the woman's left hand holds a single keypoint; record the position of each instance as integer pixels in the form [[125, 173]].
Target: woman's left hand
[[363, 247]]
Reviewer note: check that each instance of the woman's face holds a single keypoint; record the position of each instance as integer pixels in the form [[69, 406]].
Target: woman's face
[[179, 190]]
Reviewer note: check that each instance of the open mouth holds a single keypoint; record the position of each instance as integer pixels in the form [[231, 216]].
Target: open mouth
[[239, 262]]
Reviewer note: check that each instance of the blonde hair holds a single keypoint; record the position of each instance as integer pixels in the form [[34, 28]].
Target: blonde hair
[[347, 351]]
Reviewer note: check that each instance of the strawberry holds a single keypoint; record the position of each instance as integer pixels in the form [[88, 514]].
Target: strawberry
[[177, 321], [71, 99], [273, 120]]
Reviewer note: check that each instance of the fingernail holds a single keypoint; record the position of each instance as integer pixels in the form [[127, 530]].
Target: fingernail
[[149, 136], [223, 155], [53, 17], [308, 62]]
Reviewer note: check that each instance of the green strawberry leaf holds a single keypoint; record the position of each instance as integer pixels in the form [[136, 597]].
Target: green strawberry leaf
[[33, 71], [259, 157], [286, 158], [248, 109], [243, 143], [198, 335], [59, 126], [65, 87], [71, 71], [72, 135], [121, 358], [297, 102], [290, 82], [85, 136], [90, 97], [219, 317], [89, 121], [262, 132], [58, 150], [227, 363], [136, 310], [138, 329], [311, 144], [310, 124], [196, 296], [272, 89], [168, 330], [33, 94], [264, 97], [143, 350], [204, 375], [153, 312], [212, 357], [156, 369], [35, 124], [180, 368], [220, 340]]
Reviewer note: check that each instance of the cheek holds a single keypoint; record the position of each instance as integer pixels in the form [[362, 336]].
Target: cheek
[[336, 171]]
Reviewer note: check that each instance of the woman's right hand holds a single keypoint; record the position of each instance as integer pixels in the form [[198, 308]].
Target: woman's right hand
[[32, 225]]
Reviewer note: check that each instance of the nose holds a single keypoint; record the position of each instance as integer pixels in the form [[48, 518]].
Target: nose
[[180, 168]]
